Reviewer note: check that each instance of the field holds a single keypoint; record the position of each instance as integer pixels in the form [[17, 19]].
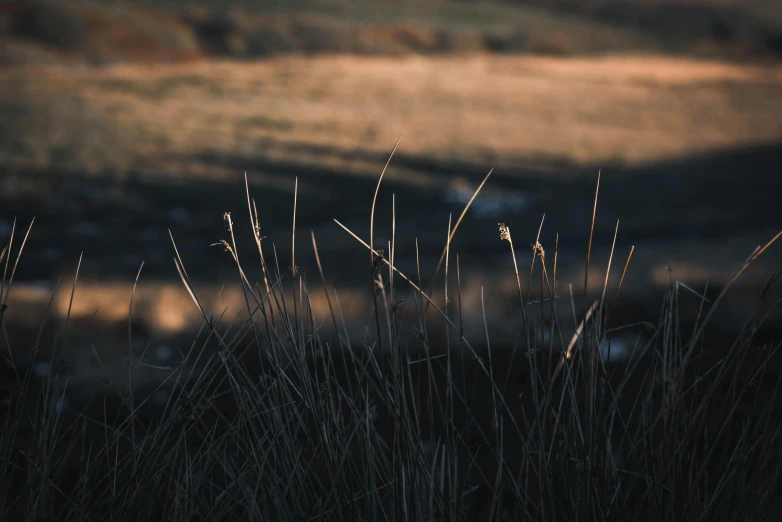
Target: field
[[334, 403], [686, 149]]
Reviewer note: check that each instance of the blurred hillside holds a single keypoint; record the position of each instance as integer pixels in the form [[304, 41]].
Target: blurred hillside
[[750, 23], [172, 30]]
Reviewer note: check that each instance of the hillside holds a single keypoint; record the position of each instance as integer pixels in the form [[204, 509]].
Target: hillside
[[78, 31]]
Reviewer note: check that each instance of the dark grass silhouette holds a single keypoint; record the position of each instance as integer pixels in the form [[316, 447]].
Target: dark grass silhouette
[[284, 417]]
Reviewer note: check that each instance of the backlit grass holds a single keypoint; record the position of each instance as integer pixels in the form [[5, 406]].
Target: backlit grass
[[286, 416]]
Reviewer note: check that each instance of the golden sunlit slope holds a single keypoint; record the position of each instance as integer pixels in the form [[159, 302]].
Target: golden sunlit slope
[[335, 111]]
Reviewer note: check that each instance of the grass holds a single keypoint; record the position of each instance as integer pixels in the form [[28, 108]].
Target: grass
[[135, 137], [285, 416], [341, 112]]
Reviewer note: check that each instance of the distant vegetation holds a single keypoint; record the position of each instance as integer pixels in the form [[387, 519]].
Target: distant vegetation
[[100, 32]]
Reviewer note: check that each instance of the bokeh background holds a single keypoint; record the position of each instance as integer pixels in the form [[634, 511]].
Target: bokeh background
[[122, 121]]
